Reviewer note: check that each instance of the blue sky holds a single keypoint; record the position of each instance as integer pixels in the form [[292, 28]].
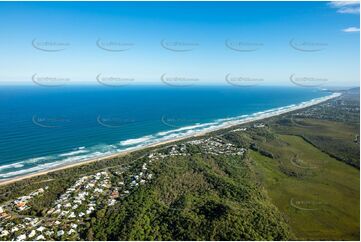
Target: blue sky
[[273, 40]]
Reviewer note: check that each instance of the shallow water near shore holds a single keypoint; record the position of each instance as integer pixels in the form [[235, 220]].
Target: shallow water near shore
[[42, 128]]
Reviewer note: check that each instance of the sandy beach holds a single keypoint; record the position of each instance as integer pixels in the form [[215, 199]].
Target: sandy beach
[[225, 125]]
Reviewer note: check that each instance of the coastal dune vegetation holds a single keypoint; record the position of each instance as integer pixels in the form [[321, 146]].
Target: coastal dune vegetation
[[294, 176]]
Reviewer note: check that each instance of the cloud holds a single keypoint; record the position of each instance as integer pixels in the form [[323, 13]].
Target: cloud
[[351, 29], [354, 10], [346, 7], [338, 4]]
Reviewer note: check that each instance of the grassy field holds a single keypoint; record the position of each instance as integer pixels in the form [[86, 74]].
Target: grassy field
[[297, 180], [318, 195], [334, 138]]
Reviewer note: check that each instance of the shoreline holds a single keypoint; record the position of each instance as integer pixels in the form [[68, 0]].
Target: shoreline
[[264, 115]]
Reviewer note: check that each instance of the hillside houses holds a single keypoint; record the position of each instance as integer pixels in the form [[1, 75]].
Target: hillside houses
[[66, 216], [217, 146], [212, 145]]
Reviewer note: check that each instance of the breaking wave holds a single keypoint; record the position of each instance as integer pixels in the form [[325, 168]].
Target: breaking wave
[[86, 153]]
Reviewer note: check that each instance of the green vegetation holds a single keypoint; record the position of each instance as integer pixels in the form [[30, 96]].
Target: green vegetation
[[318, 194], [334, 138], [195, 198], [333, 127], [293, 177]]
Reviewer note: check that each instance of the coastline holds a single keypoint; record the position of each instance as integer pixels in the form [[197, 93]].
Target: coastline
[[228, 124]]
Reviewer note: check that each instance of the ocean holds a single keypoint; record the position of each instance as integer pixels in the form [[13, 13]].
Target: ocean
[[44, 127]]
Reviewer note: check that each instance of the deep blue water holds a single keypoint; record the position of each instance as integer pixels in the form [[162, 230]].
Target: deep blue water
[[43, 127]]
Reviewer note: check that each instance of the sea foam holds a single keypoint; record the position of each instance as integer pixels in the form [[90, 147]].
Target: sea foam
[[99, 151]]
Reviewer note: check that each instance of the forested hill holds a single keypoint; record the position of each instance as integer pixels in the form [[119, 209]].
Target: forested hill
[[295, 176]]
